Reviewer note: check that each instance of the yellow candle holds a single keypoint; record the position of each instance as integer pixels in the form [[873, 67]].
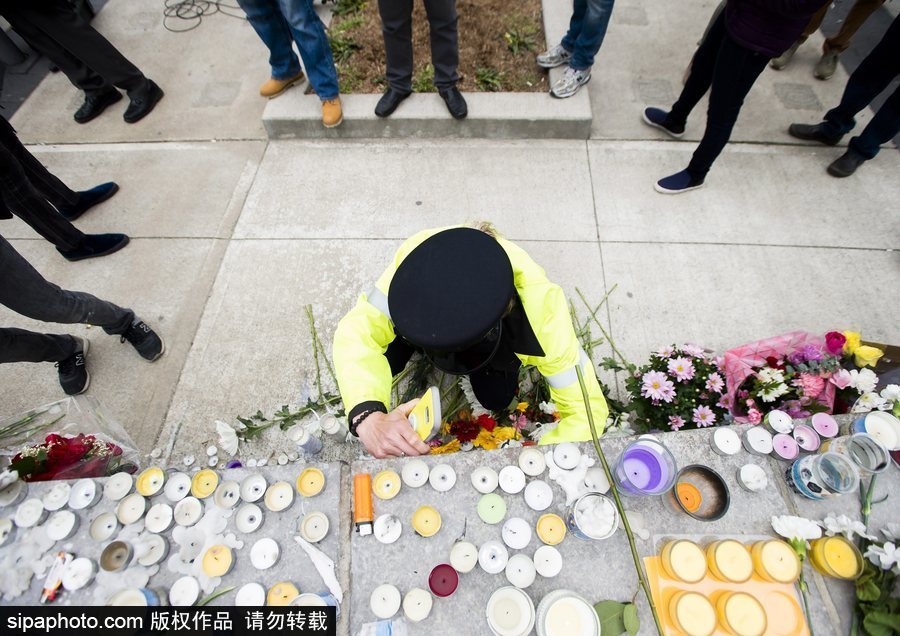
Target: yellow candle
[[204, 483], [684, 561], [692, 613], [729, 560], [386, 484], [836, 557], [426, 521], [741, 614], [217, 561], [282, 594], [310, 482], [150, 481], [775, 561], [551, 529]]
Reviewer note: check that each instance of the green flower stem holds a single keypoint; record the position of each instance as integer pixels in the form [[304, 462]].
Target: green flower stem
[[634, 554], [593, 313], [803, 589], [315, 341], [214, 596]]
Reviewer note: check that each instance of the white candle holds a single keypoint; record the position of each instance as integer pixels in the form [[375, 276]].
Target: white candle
[[84, 494], [152, 549], [547, 561], [250, 595], [184, 592], [77, 574], [779, 421], [253, 488], [57, 497], [531, 461], [752, 477], [463, 557], [61, 525], [177, 487], [387, 528], [314, 527], [227, 495], [492, 557], [30, 513], [159, 518], [442, 477], [6, 530], [414, 473], [516, 533], [538, 495], [279, 496], [131, 508], [884, 427], [512, 479], [417, 604], [725, 441], [566, 455], [118, 486], [757, 440], [385, 601], [248, 518], [188, 511], [520, 571], [563, 613], [264, 553], [485, 479], [13, 493], [103, 526], [510, 612]]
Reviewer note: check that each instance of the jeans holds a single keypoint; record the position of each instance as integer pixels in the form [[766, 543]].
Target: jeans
[[396, 29], [26, 292], [587, 28], [871, 77], [728, 71], [278, 23]]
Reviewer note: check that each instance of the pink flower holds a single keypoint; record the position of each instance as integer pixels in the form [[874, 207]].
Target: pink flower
[[666, 352], [715, 383], [834, 342], [754, 416], [811, 385], [518, 422], [724, 402], [676, 422], [720, 361], [703, 416], [841, 379], [668, 392], [657, 386], [693, 350], [682, 368]]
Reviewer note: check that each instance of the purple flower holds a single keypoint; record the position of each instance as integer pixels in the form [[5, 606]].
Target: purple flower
[[676, 422], [703, 416], [682, 368], [657, 386], [715, 383]]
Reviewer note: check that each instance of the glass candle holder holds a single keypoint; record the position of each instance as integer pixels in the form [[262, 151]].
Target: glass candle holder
[[645, 467], [824, 476]]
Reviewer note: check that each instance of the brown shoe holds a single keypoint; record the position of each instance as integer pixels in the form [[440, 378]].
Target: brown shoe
[[332, 114], [274, 87]]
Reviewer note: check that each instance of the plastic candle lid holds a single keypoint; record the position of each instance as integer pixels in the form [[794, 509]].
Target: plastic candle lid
[[692, 613], [385, 601], [281, 594], [551, 529], [491, 508], [204, 483], [386, 484], [415, 473], [150, 481], [426, 521], [310, 482]]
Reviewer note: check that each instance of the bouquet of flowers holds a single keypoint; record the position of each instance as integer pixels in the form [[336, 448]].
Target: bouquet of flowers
[[681, 387], [60, 457]]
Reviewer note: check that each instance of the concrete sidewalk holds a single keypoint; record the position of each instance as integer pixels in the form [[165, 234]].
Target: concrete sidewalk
[[233, 234]]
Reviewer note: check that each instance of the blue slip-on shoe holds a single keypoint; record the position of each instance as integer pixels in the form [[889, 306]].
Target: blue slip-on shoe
[[678, 183], [656, 117]]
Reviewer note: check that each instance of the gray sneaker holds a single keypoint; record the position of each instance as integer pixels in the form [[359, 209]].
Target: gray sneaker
[[784, 59], [827, 65], [556, 56], [570, 82]]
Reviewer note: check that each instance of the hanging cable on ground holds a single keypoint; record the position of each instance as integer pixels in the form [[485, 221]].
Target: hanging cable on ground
[[193, 12]]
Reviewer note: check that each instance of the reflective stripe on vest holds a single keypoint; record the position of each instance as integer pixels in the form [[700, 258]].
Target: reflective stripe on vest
[[379, 301], [565, 378]]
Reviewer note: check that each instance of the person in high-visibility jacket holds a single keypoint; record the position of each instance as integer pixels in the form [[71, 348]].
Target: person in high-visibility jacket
[[476, 305]]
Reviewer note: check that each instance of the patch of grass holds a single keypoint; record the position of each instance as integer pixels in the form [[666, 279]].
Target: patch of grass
[[423, 81], [520, 34], [342, 48], [350, 80], [347, 7], [348, 25], [488, 79]]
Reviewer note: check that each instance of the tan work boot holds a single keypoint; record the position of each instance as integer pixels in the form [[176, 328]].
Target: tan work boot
[[332, 114], [274, 87]]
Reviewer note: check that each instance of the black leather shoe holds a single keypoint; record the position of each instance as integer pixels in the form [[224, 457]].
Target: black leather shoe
[[88, 199], [389, 102], [456, 103], [96, 245], [95, 103], [846, 164], [142, 104], [812, 132]]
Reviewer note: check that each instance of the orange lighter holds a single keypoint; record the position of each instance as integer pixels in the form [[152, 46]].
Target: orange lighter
[[362, 503]]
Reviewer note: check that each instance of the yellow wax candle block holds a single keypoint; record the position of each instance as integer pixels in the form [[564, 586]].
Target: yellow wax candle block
[[692, 613], [386, 484], [551, 529], [282, 594], [684, 561], [729, 560], [204, 483], [150, 481], [741, 614], [836, 557], [775, 561], [217, 561], [310, 482], [426, 521]]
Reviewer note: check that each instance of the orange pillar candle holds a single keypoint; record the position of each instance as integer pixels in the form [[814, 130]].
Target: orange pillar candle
[[740, 614], [729, 560], [775, 561], [692, 614], [684, 561], [836, 557]]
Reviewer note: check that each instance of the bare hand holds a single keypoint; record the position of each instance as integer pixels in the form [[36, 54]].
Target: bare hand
[[391, 434]]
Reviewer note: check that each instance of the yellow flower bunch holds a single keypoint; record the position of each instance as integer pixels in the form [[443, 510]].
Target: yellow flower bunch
[[450, 447], [492, 440], [863, 355]]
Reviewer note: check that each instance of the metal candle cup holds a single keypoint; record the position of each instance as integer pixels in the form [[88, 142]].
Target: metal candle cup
[[865, 451], [443, 580], [757, 440], [779, 421], [645, 467], [824, 476], [593, 517], [116, 556], [725, 442]]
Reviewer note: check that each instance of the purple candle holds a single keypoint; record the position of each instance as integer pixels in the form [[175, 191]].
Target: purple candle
[[785, 447], [646, 467], [806, 438], [825, 425], [443, 580]]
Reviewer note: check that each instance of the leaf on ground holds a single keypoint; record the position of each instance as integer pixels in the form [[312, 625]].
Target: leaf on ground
[[631, 620], [612, 617]]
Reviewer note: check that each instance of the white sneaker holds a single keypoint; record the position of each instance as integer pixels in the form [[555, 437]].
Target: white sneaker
[[556, 56], [571, 81]]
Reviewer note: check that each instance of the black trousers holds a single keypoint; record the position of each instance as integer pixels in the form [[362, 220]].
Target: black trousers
[[26, 292], [26, 186], [728, 70], [89, 60], [396, 27]]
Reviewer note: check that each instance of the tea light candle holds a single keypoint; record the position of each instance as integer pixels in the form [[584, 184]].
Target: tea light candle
[[516, 533], [217, 561], [538, 495], [131, 509], [825, 425], [116, 556], [531, 461], [741, 614], [6, 530], [248, 518], [103, 526], [882, 426], [443, 580], [684, 561], [417, 605], [264, 553], [510, 612], [310, 482], [184, 592], [314, 527], [752, 478], [485, 479], [779, 421], [30, 513], [551, 529], [279, 496], [150, 481], [836, 557], [463, 557], [415, 473], [204, 483], [281, 594], [547, 561], [689, 496], [725, 441], [806, 438], [566, 455], [512, 479], [757, 440], [426, 521], [188, 511], [595, 480], [159, 518], [84, 494], [692, 613], [57, 497], [118, 486], [12, 493], [785, 447], [387, 529], [386, 484], [775, 561], [61, 525], [250, 595], [385, 601], [442, 477], [253, 488], [491, 508], [520, 571], [492, 557], [228, 494], [177, 487], [153, 548], [77, 574], [729, 560]]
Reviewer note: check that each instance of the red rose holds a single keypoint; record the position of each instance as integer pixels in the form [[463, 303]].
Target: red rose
[[487, 422], [834, 342], [465, 430], [774, 363]]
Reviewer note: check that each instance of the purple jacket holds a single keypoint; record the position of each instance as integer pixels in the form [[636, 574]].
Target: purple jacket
[[769, 27]]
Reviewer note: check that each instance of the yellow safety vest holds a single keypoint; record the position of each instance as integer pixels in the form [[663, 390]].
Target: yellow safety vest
[[363, 335]]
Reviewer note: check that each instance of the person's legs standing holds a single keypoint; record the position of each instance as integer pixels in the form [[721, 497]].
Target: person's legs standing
[[593, 30], [396, 28], [859, 13], [312, 42], [270, 25], [700, 78], [884, 126], [53, 189], [442, 21], [19, 345], [579, 9]]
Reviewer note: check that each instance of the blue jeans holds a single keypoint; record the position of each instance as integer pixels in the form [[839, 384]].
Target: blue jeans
[[587, 28], [278, 23]]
